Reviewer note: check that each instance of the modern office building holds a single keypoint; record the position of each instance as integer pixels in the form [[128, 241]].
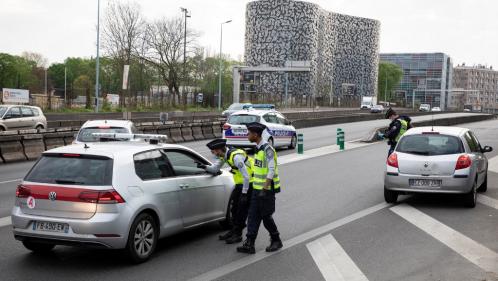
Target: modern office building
[[480, 85], [297, 49], [427, 78]]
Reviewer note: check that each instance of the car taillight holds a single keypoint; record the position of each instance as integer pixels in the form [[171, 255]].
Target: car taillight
[[22, 191], [101, 197], [463, 162], [392, 160], [226, 127]]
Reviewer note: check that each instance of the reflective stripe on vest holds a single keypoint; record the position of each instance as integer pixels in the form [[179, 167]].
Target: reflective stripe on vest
[[261, 170], [402, 131], [238, 178]]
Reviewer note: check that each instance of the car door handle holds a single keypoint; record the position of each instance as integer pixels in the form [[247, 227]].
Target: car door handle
[[182, 186]]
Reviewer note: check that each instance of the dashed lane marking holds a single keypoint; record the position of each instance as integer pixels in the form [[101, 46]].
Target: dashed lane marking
[[260, 255], [333, 262], [5, 221], [9, 181], [488, 201], [493, 164], [473, 251]]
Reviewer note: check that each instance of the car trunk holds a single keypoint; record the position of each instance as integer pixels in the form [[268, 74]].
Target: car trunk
[[438, 165]]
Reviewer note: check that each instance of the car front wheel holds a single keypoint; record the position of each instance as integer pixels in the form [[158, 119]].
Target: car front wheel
[[142, 239], [390, 196], [293, 142]]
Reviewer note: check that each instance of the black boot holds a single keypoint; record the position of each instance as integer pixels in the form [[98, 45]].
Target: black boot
[[275, 244], [247, 247], [235, 238], [226, 235]]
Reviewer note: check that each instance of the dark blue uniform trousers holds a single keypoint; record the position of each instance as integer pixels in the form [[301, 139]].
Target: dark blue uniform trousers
[[261, 209]]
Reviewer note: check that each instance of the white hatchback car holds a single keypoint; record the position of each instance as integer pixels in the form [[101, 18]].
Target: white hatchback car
[[279, 133], [122, 195], [446, 160], [85, 134]]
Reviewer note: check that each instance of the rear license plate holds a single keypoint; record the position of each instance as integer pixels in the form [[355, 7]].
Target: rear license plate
[[425, 183], [50, 226]]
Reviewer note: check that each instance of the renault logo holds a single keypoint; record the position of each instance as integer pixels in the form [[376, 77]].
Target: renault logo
[[52, 196], [426, 164]]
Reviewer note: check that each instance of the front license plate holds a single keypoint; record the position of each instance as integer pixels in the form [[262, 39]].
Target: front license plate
[[425, 183], [50, 226]]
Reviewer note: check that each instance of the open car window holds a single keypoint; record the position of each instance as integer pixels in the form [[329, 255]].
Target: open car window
[[184, 163]]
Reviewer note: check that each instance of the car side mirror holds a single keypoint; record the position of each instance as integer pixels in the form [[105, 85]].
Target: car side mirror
[[487, 149]]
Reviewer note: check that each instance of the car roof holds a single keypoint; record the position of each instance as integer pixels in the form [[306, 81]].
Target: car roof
[[444, 130], [255, 112], [113, 149], [112, 123]]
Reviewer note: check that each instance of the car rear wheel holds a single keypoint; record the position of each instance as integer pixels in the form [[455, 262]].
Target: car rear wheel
[[390, 196], [38, 247], [39, 127], [470, 199], [2, 129], [142, 239], [484, 185], [293, 142]]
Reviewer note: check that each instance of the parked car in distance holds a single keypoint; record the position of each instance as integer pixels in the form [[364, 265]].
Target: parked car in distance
[[261, 106], [377, 109], [234, 108], [15, 117], [85, 134], [445, 160], [122, 195], [436, 109], [424, 107]]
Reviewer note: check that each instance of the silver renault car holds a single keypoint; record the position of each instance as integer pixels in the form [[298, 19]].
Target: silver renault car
[[446, 160], [120, 195]]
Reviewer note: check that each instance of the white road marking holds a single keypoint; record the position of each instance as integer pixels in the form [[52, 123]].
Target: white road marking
[[5, 221], [488, 201], [260, 255], [333, 262], [473, 251], [317, 152], [2, 182], [493, 164]]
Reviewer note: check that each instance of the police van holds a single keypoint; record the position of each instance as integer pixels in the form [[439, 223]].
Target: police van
[[280, 132]]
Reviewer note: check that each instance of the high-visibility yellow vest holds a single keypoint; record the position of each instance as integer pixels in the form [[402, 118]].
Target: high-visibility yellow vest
[[402, 131], [260, 169], [237, 175]]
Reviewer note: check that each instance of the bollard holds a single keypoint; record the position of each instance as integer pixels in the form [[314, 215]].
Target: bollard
[[337, 139], [300, 144], [341, 140]]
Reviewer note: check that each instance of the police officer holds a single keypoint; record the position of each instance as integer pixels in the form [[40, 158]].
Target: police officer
[[241, 164], [266, 184], [399, 125]]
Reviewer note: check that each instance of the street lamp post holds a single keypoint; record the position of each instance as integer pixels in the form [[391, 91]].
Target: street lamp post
[[97, 67], [221, 63], [187, 15]]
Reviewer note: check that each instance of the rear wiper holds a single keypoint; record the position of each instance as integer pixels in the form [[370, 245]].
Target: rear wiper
[[68, 182], [416, 152]]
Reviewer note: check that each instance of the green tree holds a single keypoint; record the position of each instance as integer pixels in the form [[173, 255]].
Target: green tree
[[16, 72], [389, 77]]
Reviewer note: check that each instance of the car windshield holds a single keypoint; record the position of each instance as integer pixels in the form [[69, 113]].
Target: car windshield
[[430, 145], [236, 106], [242, 119], [2, 110], [73, 169], [85, 134]]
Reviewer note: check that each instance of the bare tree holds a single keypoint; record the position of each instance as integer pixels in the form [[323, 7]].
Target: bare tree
[[165, 39], [39, 59], [122, 33]]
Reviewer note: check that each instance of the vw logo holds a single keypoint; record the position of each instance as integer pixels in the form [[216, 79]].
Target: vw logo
[[52, 196]]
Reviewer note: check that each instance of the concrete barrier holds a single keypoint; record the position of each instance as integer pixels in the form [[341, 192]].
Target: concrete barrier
[[176, 133], [53, 140], [149, 129], [11, 148], [187, 132], [165, 130], [217, 129], [207, 130], [33, 146], [197, 131], [68, 137]]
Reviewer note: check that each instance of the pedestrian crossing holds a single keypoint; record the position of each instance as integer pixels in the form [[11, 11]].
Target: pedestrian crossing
[[334, 262]]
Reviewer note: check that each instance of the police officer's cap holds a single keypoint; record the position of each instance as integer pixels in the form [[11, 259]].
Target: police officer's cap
[[217, 144], [256, 127], [390, 112]]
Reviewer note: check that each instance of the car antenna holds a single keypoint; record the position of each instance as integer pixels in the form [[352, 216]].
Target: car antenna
[[86, 146]]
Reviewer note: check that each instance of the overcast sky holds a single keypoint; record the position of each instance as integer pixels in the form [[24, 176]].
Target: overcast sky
[[467, 30]]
